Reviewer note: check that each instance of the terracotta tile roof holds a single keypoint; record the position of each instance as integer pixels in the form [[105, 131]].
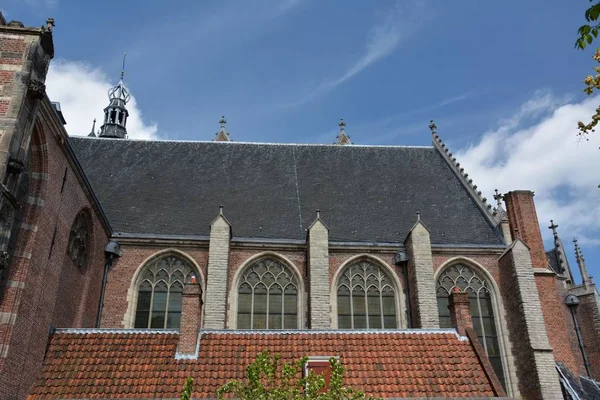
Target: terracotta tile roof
[[121, 364]]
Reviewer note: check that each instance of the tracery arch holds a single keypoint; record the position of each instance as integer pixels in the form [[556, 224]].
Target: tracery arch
[[366, 297], [160, 291], [268, 296], [485, 320], [79, 239]]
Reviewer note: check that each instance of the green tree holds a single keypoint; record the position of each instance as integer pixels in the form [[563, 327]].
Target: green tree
[[188, 388], [268, 379], [586, 35]]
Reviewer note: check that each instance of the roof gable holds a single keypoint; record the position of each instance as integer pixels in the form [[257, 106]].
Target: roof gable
[[365, 193]]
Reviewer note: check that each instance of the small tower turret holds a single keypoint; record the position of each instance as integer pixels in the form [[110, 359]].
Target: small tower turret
[[115, 115]]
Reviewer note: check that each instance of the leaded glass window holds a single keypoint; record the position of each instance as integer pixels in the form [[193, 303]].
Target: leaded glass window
[[366, 298], [79, 240], [482, 312], [160, 293], [267, 297]]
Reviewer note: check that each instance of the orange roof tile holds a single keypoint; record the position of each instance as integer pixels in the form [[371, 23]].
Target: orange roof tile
[[133, 364]]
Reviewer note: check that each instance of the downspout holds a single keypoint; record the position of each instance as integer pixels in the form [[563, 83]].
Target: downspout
[[111, 250]]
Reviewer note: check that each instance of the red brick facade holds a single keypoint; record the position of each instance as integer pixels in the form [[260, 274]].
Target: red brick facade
[[44, 287]]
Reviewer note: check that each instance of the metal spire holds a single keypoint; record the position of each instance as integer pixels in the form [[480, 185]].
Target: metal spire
[[343, 138], [115, 115], [222, 135], [585, 277], [92, 133], [123, 69]]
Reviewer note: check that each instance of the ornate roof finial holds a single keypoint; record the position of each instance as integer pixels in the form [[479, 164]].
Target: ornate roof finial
[[92, 134], [498, 197], [585, 277], [553, 226], [115, 115], [432, 127], [343, 138], [222, 135]]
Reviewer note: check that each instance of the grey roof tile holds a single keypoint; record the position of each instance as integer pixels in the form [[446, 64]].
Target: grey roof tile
[[365, 193]]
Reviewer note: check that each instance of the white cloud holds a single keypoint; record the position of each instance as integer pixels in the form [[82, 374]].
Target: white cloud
[[537, 149], [399, 23], [82, 93]]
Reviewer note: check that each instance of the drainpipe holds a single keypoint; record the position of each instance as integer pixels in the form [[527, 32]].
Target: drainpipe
[[111, 250], [572, 302]]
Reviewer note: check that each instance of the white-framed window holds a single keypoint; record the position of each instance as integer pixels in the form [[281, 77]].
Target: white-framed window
[[366, 298], [268, 296]]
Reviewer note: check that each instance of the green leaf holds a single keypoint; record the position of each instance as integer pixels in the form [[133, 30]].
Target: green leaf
[[589, 38], [595, 32]]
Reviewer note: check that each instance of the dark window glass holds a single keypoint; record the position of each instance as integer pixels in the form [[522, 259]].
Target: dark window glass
[[480, 305], [366, 298], [267, 297], [160, 293]]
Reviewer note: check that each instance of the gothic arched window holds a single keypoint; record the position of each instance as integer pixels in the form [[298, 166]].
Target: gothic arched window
[[267, 297], [79, 240], [366, 298], [160, 293], [482, 311]]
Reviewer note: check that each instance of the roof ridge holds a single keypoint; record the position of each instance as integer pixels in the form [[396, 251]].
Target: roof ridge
[[463, 177], [86, 331], [233, 143], [441, 331]]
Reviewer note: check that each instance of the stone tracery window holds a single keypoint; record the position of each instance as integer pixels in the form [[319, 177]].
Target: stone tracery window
[[366, 298], [267, 297], [160, 293], [482, 312], [79, 240]]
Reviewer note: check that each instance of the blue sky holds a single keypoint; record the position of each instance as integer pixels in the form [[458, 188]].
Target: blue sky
[[503, 82]]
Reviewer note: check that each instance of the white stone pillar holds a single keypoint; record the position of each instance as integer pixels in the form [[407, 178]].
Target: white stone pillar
[[215, 309], [318, 267], [424, 309]]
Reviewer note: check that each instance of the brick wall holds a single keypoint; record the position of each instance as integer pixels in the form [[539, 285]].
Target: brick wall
[[559, 323], [588, 315], [522, 216], [44, 286]]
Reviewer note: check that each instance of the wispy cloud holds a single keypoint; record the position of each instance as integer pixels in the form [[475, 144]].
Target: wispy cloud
[[398, 24]]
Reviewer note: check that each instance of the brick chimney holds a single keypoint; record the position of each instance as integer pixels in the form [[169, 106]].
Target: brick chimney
[[190, 317], [460, 314], [522, 217]]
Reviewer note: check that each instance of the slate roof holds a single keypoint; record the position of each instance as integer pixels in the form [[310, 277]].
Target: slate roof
[[96, 364], [272, 191]]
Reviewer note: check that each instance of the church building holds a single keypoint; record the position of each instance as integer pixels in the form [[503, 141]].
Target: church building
[[124, 270]]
